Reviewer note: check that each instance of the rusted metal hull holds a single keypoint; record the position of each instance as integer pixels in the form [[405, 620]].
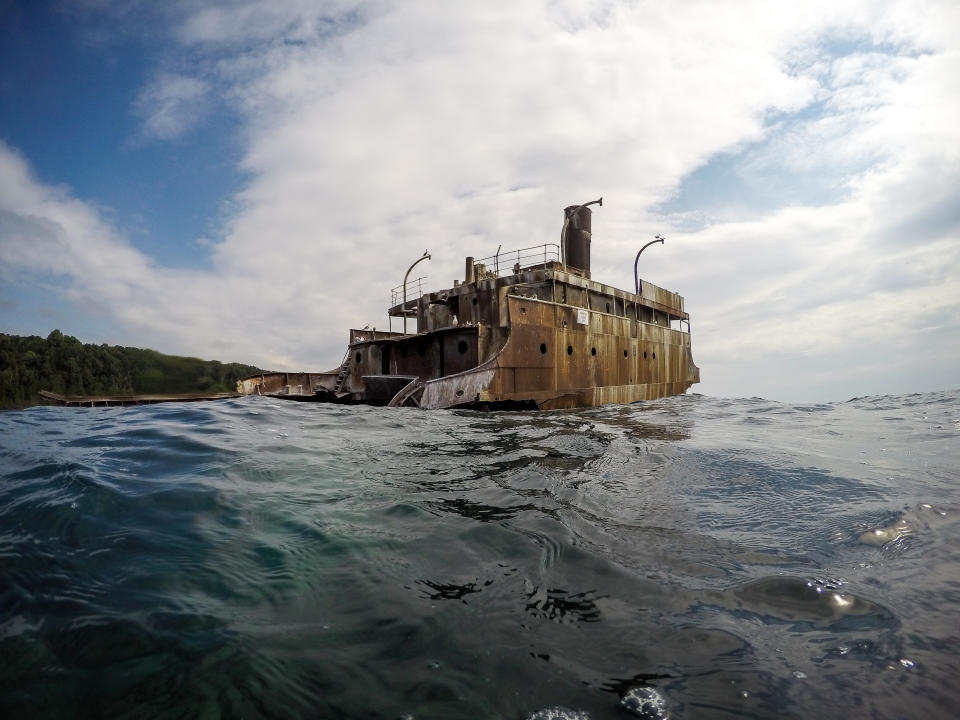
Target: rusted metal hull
[[541, 338], [553, 361]]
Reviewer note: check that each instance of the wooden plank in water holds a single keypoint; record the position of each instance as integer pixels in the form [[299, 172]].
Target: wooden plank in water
[[123, 400]]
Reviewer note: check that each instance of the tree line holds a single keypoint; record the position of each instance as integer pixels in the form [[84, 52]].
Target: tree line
[[62, 364]]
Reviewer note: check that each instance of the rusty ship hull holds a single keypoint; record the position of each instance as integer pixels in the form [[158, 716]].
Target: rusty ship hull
[[542, 335]]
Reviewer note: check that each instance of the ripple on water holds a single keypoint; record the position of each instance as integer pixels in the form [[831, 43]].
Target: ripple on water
[[892, 533], [792, 599]]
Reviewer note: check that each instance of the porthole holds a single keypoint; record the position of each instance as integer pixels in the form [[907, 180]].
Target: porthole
[[654, 356], [593, 351], [357, 356], [644, 354], [462, 347], [474, 301], [543, 348], [608, 307], [624, 353], [523, 311], [569, 349]]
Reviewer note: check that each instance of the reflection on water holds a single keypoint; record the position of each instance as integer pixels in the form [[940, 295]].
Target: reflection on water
[[478, 511], [562, 606], [451, 591], [685, 558]]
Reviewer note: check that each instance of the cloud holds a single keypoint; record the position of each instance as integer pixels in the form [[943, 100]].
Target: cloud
[[48, 236], [171, 105], [43, 229], [825, 136]]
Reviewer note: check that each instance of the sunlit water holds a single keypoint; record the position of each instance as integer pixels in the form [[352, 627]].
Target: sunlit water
[[691, 557]]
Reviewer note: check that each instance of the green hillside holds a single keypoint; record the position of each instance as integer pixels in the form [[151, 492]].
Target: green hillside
[[62, 364]]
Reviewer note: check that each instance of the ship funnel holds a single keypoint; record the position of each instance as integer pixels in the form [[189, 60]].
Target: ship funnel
[[575, 236]]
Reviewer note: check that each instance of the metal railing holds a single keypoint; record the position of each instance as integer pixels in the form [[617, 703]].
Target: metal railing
[[525, 257], [415, 288], [500, 263]]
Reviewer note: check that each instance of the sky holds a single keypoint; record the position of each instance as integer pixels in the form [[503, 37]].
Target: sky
[[245, 181]]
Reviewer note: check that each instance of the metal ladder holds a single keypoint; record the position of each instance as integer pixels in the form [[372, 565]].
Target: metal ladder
[[344, 371]]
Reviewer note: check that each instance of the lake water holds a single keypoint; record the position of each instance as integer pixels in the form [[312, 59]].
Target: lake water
[[693, 557]]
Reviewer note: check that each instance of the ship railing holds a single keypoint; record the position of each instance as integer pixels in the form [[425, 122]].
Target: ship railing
[[415, 289], [524, 257]]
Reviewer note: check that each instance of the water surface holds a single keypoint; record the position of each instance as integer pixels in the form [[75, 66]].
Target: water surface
[[692, 557]]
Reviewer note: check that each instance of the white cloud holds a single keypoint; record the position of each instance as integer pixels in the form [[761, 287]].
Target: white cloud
[[374, 130], [243, 21], [172, 104], [44, 230]]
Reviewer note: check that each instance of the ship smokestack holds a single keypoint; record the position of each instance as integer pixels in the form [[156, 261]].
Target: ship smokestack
[[575, 237]]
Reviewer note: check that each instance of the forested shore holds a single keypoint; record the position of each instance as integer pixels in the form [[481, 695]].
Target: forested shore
[[64, 365]]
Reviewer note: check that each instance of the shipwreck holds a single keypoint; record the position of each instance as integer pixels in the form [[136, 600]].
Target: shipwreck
[[524, 329]]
